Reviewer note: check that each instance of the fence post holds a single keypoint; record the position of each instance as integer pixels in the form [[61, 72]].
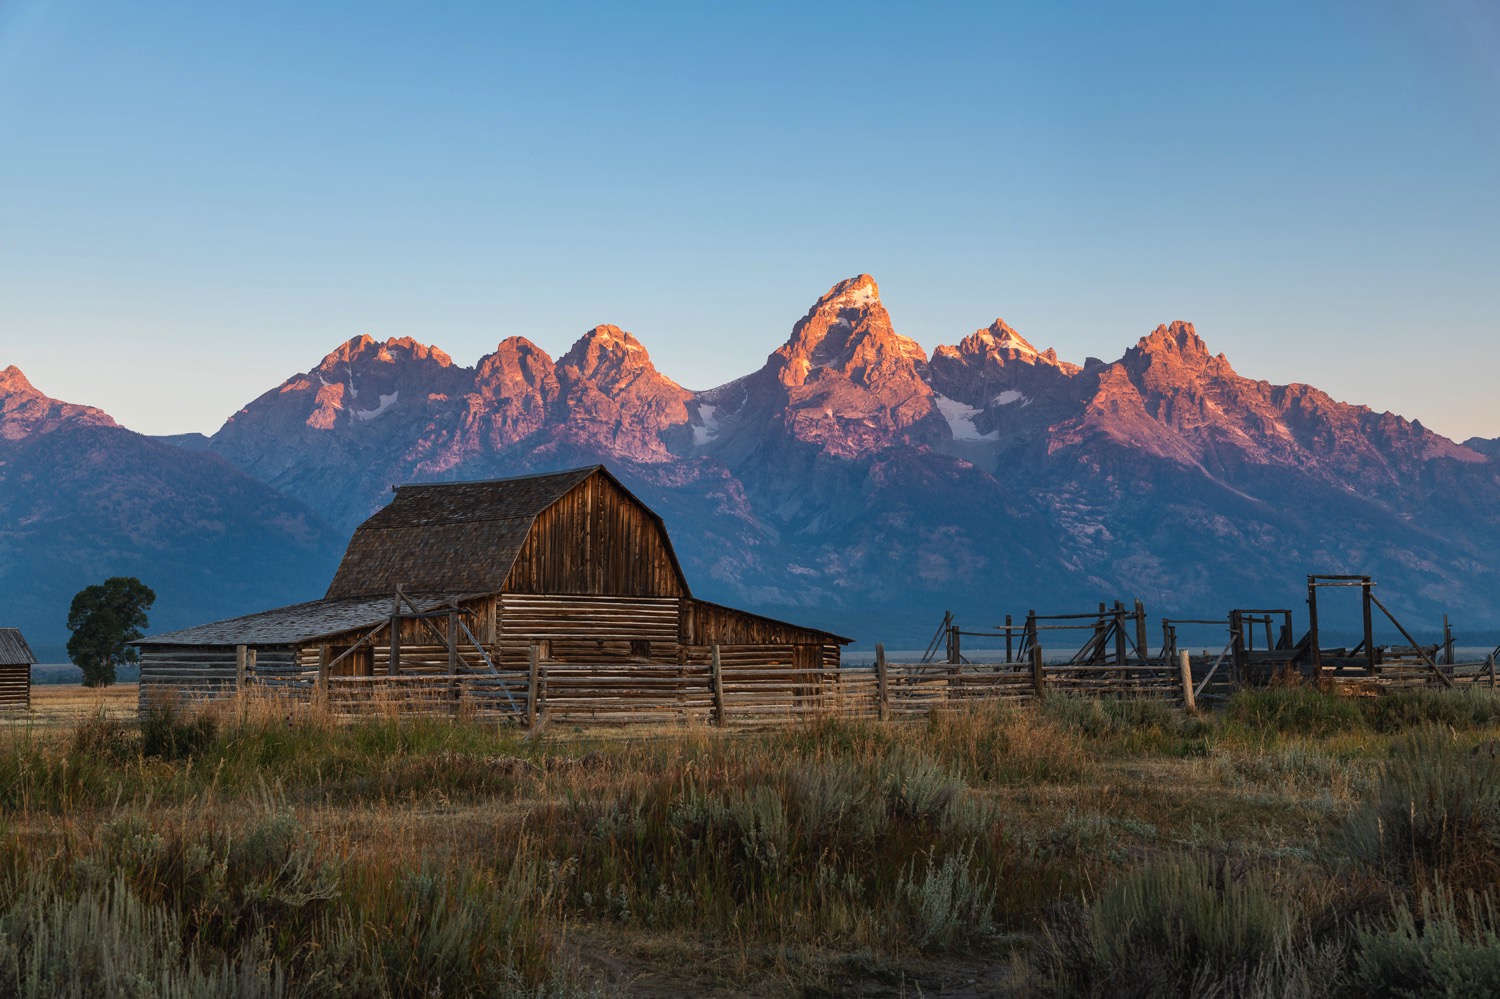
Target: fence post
[[322, 692], [716, 675], [1038, 677], [1491, 663], [1189, 701], [533, 687], [882, 683], [241, 657]]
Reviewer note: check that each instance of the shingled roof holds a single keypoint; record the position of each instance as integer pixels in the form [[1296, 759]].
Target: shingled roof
[[13, 648], [299, 622], [450, 536]]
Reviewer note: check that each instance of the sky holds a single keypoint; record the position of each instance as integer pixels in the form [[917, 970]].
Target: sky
[[199, 200]]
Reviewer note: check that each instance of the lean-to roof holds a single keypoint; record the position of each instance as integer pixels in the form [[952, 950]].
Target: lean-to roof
[[299, 622]]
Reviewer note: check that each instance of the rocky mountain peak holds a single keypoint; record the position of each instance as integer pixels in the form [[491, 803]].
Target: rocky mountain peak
[[613, 398], [24, 410], [848, 333], [364, 349]]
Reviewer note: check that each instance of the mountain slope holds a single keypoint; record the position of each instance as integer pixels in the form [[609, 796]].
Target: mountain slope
[[82, 499]]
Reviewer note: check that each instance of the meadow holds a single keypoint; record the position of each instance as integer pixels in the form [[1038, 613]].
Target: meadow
[[1291, 844]]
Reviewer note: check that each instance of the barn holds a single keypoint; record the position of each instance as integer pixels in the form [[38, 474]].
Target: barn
[[471, 577], [16, 661]]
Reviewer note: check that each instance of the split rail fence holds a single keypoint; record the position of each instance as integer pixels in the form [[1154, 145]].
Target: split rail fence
[[726, 690]]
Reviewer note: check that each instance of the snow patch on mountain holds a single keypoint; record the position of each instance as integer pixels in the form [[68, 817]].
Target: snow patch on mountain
[[709, 428], [961, 420], [1010, 397], [386, 402]]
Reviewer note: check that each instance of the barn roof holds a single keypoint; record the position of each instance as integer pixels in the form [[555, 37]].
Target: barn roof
[[13, 648], [450, 536], [299, 622]]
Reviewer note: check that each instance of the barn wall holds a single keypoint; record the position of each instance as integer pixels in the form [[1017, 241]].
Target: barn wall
[[15, 685], [589, 629], [198, 672], [705, 624], [596, 540]]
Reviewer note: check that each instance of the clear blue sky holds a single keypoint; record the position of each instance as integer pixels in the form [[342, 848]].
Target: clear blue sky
[[200, 199]]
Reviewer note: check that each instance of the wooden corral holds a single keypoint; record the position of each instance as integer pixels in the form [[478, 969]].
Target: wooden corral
[[16, 661], [465, 580]]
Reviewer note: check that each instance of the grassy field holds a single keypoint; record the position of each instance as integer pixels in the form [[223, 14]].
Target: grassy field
[[1294, 844]]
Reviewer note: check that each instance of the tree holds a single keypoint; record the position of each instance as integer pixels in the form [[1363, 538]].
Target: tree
[[103, 620]]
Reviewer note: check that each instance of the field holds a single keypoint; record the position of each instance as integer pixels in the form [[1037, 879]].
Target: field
[[1294, 844]]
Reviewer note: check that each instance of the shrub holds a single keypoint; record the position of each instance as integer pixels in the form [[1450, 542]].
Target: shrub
[[1296, 710], [1449, 950], [948, 903], [1177, 928], [171, 735], [1434, 816]]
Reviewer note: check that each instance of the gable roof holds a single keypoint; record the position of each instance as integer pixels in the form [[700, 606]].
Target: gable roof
[[456, 536], [13, 648]]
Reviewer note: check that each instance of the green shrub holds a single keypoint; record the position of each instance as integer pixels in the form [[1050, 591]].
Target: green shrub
[[1447, 950], [1434, 816], [1295, 710], [1183, 928], [946, 904], [171, 735], [108, 941]]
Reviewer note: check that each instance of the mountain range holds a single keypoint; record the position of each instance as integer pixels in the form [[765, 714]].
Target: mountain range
[[852, 482]]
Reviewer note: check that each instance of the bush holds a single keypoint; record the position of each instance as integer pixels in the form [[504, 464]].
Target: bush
[[1296, 710], [1449, 950], [171, 735], [1186, 928], [1434, 816]]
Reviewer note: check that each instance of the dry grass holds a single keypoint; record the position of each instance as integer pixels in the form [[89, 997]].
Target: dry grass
[[833, 857], [68, 703]]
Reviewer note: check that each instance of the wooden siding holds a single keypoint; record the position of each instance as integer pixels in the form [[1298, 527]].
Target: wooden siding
[[198, 672], [704, 623], [579, 628], [15, 686], [597, 539]]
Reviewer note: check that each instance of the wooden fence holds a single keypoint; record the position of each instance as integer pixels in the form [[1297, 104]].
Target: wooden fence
[[726, 690]]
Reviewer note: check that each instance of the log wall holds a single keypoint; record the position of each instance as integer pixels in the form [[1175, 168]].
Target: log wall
[[199, 672], [15, 686]]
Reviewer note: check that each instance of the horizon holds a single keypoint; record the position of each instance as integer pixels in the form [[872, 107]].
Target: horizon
[[211, 200]]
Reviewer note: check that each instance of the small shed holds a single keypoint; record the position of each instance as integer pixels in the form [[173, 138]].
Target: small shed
[[469, 576], [16, 661]]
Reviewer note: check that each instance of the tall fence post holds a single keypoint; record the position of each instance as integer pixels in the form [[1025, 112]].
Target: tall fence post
[[322, 689], [1038, 675], [533, 686], [882, 683], [1185, 662], [716, 675], [1490, 661], [241, 664]]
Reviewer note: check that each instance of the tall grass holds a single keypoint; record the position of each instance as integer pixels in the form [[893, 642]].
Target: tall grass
[[398, 857]]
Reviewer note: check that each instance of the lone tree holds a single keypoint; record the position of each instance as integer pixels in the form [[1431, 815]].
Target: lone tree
[[103, 619]]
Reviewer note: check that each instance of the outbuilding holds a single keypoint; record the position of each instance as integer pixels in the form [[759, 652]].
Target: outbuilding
[[16, 661], [470, 577]]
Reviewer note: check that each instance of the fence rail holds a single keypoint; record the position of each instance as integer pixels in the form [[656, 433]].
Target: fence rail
[[721, 692]]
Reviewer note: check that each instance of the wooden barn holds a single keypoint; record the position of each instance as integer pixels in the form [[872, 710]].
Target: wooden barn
[[470, 577], [16, 661]]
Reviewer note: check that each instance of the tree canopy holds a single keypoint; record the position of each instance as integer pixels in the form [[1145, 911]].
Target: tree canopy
[[103, 620]]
